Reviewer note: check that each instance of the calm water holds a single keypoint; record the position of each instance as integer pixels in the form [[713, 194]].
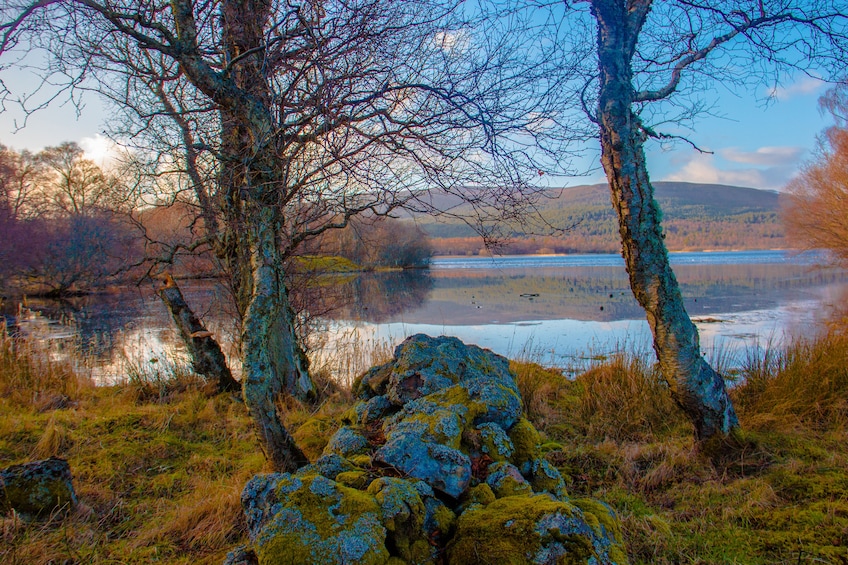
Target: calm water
[[554, 309]]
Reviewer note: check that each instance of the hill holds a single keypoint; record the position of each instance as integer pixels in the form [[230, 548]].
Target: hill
[[696, 217]]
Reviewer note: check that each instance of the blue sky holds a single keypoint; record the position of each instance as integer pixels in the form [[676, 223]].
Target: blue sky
[[753, 145]]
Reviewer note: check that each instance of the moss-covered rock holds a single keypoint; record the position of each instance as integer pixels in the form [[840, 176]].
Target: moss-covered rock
[[346, 442], [37, 490], [434, 455], [443, 468], [506, 480], [494, 442], [536, 529], [527, 444], [404, 514], [314, 520]]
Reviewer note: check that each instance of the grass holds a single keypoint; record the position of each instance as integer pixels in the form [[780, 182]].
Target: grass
[[777, 494], [327, 264], [159, 465]]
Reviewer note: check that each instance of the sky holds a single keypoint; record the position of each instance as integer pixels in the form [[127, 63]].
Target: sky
[[752, 144]]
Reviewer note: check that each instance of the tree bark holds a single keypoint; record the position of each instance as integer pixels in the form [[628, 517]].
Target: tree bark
[[695, 386], [206, 356], [273, 359], [253, 187]]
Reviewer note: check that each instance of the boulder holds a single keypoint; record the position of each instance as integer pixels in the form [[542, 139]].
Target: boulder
[[37, 490], [517, 530], [434, 464]]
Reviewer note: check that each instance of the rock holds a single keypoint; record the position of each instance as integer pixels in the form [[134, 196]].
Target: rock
[[444, 468], [434, 464], [424, 365], [242, 555], [347, 442], [313, 519], [518, 530], [506, 480], [37, 490]]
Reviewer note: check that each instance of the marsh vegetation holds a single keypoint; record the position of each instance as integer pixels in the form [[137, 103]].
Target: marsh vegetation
[[159, 464]]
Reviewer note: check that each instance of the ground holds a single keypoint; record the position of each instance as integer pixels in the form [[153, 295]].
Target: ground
[[159, 467]]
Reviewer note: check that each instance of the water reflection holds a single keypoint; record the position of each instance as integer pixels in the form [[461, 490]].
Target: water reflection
[[532, 307]]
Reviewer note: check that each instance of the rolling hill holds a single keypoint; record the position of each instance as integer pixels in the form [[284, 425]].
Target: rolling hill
[[695, 217]]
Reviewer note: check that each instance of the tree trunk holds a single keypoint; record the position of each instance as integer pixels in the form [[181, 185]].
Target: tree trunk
[[206, 356], [252, 187], [696, 387], [273, 360]]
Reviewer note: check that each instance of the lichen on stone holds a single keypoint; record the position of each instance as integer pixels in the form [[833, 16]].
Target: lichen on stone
[[37, 490], [495, 442], [506, 480], [435, 464], [320, 521], [347, 441]]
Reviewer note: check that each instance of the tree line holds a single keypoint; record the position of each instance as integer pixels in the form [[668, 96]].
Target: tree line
[[63, 222], [68, 226]]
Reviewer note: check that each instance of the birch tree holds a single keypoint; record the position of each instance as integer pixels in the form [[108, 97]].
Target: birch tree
[[652, 63]]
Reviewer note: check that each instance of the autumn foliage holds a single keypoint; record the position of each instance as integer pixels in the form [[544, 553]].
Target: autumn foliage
[[817, 206]]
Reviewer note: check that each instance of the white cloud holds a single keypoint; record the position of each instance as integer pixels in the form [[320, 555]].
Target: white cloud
[[807, 85], [100, 149], [764, 156], [704, 168]]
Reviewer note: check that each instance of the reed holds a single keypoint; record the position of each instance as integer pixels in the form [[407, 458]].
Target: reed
[[804, 385], [31, 374]]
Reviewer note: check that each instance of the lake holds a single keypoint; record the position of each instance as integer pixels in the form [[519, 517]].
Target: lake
[[557, 310]]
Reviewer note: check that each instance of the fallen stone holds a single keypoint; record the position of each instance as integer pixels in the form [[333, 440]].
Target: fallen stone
[[37, 490]]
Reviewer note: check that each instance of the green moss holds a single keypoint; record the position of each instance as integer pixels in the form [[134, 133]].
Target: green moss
[[363, 461], [598, 515], [322, 522], [354, 479], [327, 264], [506, 532], [546, 478], [526, 441], [480, 494], [444, 520]]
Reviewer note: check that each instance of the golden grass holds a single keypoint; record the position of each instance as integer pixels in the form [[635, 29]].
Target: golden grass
[[158, 466], [30, 376], [804, 386], [778, 494], [159, 469]]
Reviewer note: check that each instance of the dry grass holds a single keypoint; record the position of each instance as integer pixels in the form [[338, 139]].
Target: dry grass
[[805, 386], [158, 466], [778, 494], [159, 473], [30, 376], [626, 399]]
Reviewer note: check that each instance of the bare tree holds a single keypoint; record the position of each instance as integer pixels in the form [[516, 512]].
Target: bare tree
[[649, 64], [17, 184], [293, 117], [60, 233], [72, 185], [17, 171]]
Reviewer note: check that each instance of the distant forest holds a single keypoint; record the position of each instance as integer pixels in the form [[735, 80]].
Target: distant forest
[[697, 217]]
